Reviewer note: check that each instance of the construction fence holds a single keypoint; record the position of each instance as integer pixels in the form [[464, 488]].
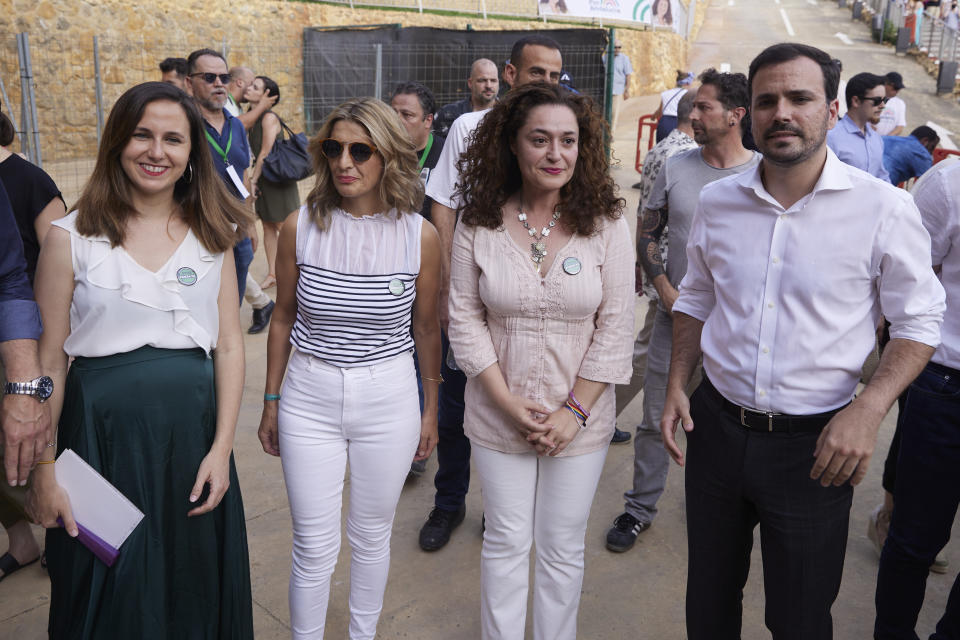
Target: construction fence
[[59, 100]]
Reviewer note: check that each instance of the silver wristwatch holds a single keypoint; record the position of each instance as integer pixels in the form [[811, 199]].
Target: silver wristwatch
[[40, 388]]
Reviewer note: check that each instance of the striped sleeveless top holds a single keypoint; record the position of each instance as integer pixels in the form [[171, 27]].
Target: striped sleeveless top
[[356, 287]]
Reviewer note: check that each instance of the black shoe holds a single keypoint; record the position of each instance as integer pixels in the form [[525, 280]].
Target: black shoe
[[620, 437], [440, 524], [624, 532], [418, 467], [261, 318]]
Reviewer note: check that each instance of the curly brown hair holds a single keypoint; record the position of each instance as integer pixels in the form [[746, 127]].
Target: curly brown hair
[[489, 173]]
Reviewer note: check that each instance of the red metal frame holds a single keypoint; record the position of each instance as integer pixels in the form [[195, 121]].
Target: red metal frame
[[940, 154], [646, 121]]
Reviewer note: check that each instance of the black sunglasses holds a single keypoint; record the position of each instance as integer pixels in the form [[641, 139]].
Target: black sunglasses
[[359, 151], [210, 78], [876, 100]]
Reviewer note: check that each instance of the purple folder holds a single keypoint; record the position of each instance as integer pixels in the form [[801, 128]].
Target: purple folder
[[101, 549]]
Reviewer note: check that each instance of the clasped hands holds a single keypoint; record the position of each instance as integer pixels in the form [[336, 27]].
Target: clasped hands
[[548, 432]]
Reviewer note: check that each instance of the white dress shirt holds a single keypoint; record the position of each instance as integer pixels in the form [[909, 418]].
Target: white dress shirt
[[791, 298], [445, 176], [937, 196]]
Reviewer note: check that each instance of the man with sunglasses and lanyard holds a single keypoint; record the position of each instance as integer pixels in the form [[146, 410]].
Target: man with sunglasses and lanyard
[[854, 140], [208, 78]]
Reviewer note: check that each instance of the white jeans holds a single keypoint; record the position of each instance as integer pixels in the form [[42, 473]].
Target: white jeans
[[543, 500], [370, 417], [254, 294]]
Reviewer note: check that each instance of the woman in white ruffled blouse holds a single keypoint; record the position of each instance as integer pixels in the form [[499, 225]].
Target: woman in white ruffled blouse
[[137, 285]]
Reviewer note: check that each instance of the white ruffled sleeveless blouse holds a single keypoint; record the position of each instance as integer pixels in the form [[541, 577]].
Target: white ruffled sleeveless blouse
[[119, 306]]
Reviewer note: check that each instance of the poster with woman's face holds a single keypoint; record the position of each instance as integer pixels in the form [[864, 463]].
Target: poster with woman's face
[[661, 14]]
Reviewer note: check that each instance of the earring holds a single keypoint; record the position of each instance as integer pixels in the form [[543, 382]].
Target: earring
[[188, 178]]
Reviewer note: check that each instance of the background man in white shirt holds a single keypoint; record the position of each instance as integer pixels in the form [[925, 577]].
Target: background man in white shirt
[[927, 488], [534, 58], [718, 119], [790, 267], [893, 118], [622, 70]]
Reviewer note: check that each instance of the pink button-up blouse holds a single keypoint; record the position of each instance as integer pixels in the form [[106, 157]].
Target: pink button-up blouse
[[543, 332]]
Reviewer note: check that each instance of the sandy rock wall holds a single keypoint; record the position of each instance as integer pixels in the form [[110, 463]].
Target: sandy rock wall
[[263, 34]]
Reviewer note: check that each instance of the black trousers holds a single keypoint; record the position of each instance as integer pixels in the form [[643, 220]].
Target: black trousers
[[737, 478]]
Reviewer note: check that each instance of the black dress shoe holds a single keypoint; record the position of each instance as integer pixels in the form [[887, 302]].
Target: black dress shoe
[[620, 437], [261, 318], [440, 524]]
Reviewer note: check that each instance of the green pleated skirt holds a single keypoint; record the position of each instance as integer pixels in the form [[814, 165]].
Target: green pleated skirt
[[145, 420]]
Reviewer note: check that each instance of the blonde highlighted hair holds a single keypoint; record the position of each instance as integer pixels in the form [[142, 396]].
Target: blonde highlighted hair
[[400, 186]]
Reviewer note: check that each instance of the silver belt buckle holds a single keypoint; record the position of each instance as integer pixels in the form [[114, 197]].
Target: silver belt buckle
[[743, 418]]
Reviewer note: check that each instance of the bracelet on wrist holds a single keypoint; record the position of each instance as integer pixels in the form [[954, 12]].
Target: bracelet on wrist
[[45, 461], [577, 414], [573, 399], [439, 380], [271, 397]]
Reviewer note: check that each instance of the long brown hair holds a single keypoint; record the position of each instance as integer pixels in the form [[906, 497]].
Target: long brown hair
[[400, 185], [106, 203], [489, 173]]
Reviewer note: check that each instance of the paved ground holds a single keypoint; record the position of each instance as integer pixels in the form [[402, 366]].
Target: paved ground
[[640, 594]]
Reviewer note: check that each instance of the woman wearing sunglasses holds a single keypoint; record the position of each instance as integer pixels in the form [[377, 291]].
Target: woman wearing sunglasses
[[137, 285], [354, 269], [541, 320]]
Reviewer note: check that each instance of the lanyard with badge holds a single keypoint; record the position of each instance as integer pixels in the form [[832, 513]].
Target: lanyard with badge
[[237, 181], [426, 152]]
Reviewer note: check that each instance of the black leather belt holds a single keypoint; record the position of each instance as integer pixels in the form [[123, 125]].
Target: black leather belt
[[770, 422]]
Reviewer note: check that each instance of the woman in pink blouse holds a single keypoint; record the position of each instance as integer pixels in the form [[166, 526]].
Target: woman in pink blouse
[[541, 321]]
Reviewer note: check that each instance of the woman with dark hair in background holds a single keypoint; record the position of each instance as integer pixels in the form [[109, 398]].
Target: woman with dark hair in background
[[355, 268], [36, 203], [137, 284], [274, 200], [662, 13], [541, 320]]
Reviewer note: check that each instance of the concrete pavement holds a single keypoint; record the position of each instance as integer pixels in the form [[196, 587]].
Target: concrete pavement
[[636, 595]]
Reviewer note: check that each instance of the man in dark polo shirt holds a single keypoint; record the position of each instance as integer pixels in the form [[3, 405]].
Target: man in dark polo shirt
[[484, 83], [415, 104], [207, 78]]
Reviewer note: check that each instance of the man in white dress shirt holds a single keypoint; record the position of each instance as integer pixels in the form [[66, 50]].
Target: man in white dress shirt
[[790, 267], [927, 488]]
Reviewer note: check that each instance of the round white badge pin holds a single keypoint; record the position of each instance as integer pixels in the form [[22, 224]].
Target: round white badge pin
[[572, 266]]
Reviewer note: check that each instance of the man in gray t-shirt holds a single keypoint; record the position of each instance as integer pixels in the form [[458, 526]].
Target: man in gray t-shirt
[[717, 119]]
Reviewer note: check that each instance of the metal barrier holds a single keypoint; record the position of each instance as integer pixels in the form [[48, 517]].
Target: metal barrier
[[58, 100], [650, 123], [943, 154]]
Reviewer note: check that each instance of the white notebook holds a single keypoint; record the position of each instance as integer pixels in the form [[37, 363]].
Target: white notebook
[[98, 507]]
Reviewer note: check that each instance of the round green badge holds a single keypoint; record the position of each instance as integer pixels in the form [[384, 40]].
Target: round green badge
[[186, 276], [397, 287]]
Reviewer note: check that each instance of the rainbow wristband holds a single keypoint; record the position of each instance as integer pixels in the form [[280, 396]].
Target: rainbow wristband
[[573, 399], [578, 414]]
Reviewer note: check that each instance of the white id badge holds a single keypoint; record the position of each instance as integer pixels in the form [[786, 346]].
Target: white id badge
[[237, 182]]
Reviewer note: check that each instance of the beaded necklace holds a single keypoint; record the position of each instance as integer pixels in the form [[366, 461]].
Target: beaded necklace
[[538, 248]]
